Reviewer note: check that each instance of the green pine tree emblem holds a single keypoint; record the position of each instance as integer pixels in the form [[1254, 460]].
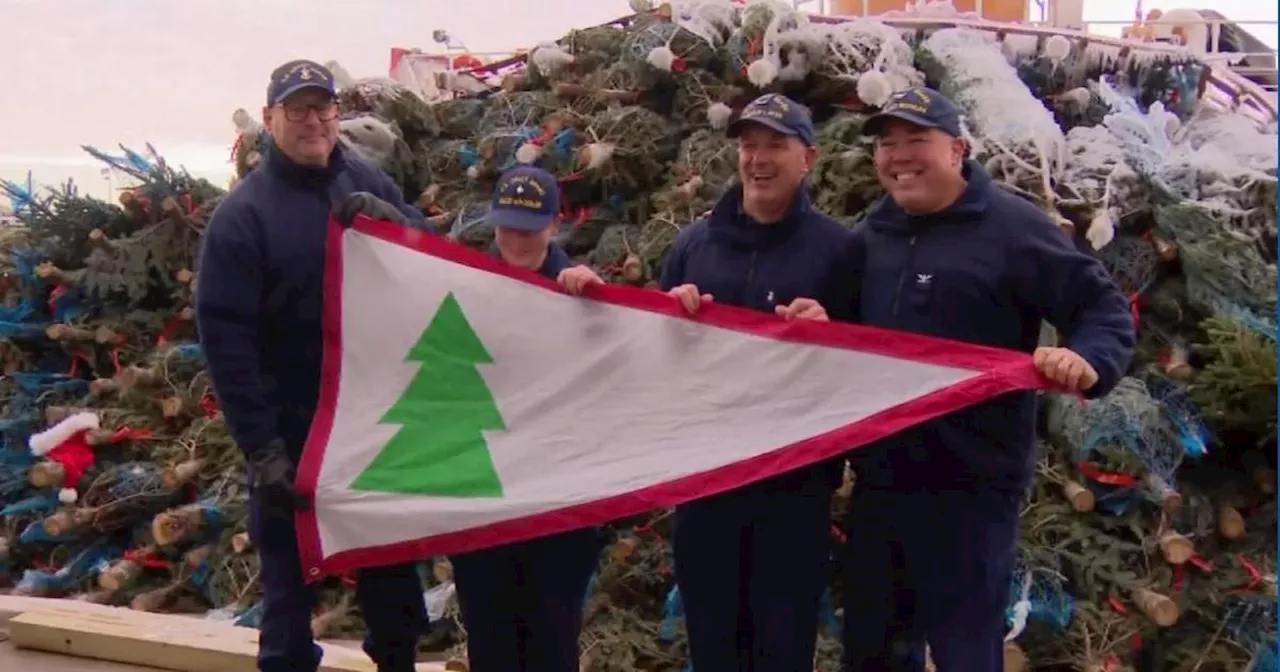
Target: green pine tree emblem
[[440, 449]]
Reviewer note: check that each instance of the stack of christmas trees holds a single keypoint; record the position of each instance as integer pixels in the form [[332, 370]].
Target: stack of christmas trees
[[1149, 540]]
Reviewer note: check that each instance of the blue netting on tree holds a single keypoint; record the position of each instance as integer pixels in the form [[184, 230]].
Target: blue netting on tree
[[1183, 414], [1123, 436], [517, 110], [1038, 595], [80, 568], [1132, 262], [651, 37], [672, 613], [1250, 622], [1259, 323]]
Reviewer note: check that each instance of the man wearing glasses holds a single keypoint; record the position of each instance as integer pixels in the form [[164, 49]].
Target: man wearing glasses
[[258, 307]]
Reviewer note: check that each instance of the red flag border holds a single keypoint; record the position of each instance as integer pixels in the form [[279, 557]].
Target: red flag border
[[1004, 371]]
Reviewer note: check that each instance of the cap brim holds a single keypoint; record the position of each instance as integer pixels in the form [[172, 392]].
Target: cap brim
[[301, 87], [735, 129], [520, 220], [876, 123]]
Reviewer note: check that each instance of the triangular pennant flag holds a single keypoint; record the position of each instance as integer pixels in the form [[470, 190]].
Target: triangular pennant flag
[[466, 404]]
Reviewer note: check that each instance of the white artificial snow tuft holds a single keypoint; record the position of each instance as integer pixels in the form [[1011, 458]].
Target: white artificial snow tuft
[[797, 67], [711, 20], [598, 154], [245, 124], [998, 105], [528, 153], [341, 77], [550, 58], [661, 58], [874, 88], [1079, 96], [718, 115], [1057, 48], [1102, 229], [372, 138], [1018, 48], [762, 72], [789, 44], [1205, 160], [861, 46]]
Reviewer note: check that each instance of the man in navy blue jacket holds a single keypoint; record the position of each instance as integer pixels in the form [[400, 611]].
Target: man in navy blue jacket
[[522, 603], [258, 307], [932, 527], [751, 562]]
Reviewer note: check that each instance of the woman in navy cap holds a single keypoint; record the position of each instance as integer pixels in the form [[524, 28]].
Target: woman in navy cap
[[522, 603]]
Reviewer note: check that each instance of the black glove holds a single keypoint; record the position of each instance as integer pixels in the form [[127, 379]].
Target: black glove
[[365, 203], [273, 480]]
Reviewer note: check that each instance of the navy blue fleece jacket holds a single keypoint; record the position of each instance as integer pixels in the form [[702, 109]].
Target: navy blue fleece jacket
[[259, 291], [761, 266], [987, 270]]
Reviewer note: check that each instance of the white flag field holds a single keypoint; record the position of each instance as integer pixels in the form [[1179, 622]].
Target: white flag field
[[466, 404]]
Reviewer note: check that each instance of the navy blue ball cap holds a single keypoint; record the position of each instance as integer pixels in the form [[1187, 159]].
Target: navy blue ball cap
[[779, 113], [295, 76], [527, 198], [920, 106]]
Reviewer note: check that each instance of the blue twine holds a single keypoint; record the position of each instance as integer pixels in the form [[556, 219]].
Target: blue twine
[[191, 351], [20, 312], [672, 612], [130, 162], [72, 573], [25, 263], [22, 197], [69, 305], [18, 330], [1110, 499], [562, 143], [251, 617], [201, 574], [46, 501], [36, 534], [592, 586], [468, 156], [1184, 415], [1050, 605]]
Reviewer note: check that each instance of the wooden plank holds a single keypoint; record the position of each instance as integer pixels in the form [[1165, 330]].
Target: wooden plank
[[159, 641], [12, 605]]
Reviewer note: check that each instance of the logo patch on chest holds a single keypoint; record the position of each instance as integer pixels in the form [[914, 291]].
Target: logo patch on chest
[[924, 280]]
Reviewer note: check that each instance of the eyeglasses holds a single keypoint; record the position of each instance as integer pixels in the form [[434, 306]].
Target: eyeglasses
[[298, 112]]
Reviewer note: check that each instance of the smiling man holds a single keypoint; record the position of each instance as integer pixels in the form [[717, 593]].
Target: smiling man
[[751, 562], [933, 520], [258, 307]]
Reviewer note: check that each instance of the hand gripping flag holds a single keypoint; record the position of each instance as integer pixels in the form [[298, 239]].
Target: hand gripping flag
[[466, 404]]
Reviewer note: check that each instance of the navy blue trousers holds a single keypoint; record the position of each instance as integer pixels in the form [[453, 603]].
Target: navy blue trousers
[[751, 564], [927, 567], [390, 600], [522, 603]]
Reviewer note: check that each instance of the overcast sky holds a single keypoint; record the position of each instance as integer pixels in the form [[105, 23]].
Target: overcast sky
[[171, 72]]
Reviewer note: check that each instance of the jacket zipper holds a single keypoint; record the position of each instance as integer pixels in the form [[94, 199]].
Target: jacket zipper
[[751, 277], [902, 276]]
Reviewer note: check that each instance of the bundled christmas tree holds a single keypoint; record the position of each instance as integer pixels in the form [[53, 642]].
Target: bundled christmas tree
[[1148, 540]]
